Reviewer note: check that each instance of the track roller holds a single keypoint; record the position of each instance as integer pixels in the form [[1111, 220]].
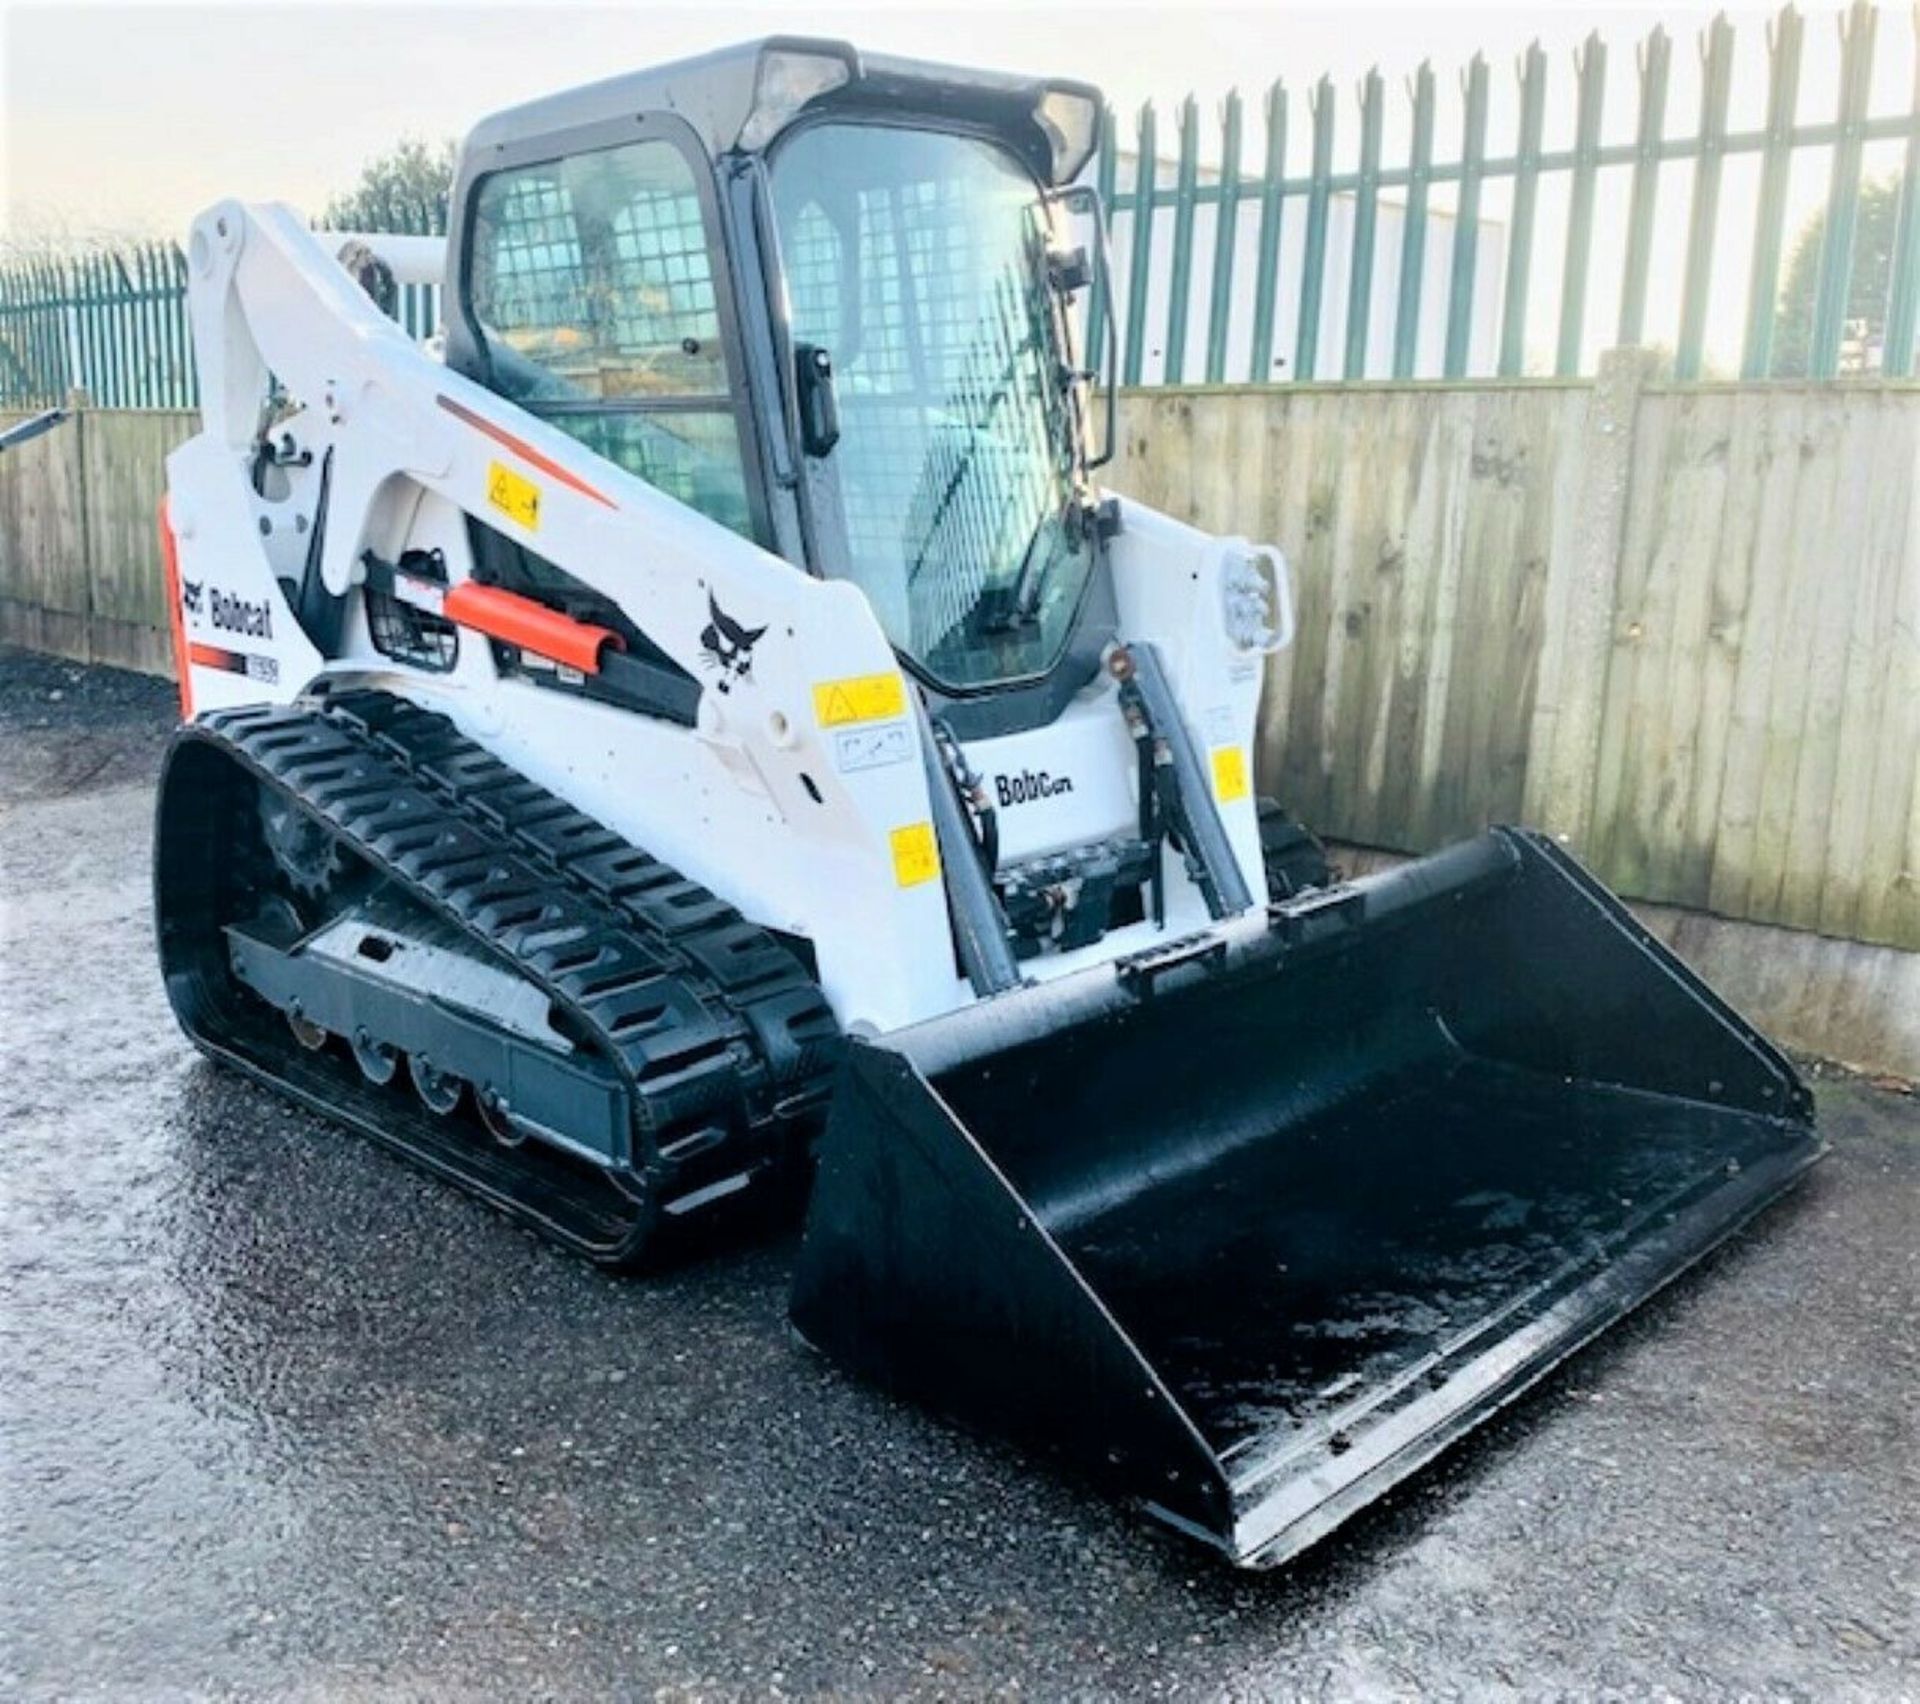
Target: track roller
[[501, 1125], [377, 1061], [439, 1091]]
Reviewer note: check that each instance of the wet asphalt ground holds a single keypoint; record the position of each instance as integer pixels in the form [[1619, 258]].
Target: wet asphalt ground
[[279, 1417]]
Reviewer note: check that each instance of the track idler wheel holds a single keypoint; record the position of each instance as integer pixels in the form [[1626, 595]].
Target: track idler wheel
[[376, 1059], [439, 1091], [305, 1031]]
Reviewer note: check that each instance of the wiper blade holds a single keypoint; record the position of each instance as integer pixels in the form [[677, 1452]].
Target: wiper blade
[[1035, 566], [1018, 605]]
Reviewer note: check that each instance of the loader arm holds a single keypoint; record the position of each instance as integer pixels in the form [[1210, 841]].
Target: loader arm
[[269, 298], [412, 449]]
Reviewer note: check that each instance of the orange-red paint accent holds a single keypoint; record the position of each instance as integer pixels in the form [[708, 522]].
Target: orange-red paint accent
[[532, 626], [170, 562], [525, 451]]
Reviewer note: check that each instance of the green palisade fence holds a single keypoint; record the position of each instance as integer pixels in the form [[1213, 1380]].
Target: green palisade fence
[[1415, 260], [1427, 263], [113, 323]]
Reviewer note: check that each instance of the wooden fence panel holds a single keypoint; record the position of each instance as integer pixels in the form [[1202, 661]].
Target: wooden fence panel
[[79, 553], [1481, 768], [43, 547], [1868, 886], [1677, 487], [1763, 704], [1419, 523], [1751, 701], [125, 456]]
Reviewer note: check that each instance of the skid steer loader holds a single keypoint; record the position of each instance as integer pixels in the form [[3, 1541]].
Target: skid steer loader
[[705, 731]]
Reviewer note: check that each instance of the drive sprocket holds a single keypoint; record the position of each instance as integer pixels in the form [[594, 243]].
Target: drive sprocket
[[304, 850]]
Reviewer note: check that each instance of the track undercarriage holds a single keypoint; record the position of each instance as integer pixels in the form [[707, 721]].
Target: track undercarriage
[[361, 907]]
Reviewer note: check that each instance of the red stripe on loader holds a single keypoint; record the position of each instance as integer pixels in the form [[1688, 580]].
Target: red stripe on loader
[[216, 657], [530, 625], [525, 451]]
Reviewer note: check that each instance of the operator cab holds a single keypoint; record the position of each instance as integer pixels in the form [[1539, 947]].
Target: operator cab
[[826, 300]]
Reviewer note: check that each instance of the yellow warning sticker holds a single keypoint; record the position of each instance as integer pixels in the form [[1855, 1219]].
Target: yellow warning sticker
[[514, 495], [859, 698], [916, 855], [1229, 773]]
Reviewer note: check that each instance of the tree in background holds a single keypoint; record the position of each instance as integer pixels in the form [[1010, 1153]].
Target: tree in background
[[405, 190], [1873, 235]]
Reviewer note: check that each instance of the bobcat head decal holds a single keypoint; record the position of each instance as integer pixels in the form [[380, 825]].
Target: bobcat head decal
[[190, 595], [727, 646]]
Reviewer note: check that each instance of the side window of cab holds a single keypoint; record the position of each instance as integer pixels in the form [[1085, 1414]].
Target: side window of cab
[[592, 280]]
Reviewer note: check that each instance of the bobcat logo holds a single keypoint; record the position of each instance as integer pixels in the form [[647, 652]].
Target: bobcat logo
[[727, 646], [190, 595]]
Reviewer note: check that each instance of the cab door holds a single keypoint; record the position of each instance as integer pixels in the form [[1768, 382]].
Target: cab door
[[594, 294]]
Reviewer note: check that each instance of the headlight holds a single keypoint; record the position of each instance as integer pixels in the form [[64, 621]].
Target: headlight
[[1256, 604]]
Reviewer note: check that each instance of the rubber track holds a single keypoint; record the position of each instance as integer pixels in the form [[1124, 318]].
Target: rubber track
[[725, 1042]]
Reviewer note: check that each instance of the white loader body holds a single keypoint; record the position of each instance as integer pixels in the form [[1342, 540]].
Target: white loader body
[[417, 449]]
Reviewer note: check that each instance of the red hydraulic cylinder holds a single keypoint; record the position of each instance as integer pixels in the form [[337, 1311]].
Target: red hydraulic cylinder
[[532, 626]]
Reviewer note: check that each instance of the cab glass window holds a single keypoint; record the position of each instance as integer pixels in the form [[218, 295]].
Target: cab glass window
[[592, 280], [917, 260]]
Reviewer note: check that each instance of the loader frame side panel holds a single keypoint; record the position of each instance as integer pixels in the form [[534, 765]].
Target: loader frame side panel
[[804, 842]]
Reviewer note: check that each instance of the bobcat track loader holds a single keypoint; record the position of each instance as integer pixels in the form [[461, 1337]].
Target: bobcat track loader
[[706, 731]]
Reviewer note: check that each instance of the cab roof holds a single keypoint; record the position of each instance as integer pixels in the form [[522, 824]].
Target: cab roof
[[717, 94]]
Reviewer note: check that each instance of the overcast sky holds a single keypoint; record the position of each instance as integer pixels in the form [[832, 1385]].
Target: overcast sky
[[129, 118], [125, 120]]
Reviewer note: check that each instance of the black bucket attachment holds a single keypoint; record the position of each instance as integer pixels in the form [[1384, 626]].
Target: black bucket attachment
[[1252, 1228]]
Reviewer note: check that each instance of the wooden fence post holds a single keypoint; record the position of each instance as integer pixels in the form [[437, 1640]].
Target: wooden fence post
[[1590, 513], [78, 403]]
